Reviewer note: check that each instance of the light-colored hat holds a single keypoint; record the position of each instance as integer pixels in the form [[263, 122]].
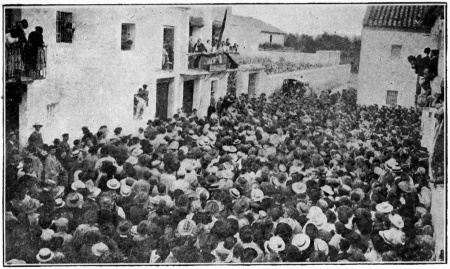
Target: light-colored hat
[[137, 152], [57, 191], [94, 192], [61, 222], [186, 227], [201, 190], [74, 199], [59, 203], [396, 220], [235, 193], [320, 245], [299, 187], [384, 207], [125, 190], [227, 174], [393, 237], [113, 184], [301, 241], [99, 249], [37, 124], [257, 195], [174, 145], [78, 185], [327, 189], [31, 206], [15, 261], [45, 255], [275, 243]]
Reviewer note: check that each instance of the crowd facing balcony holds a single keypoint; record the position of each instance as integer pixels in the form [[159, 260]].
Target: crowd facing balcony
[[25, 57]]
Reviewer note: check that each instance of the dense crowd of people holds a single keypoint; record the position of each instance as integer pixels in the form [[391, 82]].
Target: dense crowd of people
[[267, 179], [278, 67]]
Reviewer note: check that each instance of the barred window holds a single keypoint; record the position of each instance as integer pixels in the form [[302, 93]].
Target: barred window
[[128, 31], [391, 98], [396, 51], [64, 29]]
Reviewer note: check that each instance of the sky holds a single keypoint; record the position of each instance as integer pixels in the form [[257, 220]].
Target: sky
[[309, 19]]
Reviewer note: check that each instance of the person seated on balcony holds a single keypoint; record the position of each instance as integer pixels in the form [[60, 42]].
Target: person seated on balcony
[[199, 46]]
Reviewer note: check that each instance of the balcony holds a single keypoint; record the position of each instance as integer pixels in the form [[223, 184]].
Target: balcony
[[24, 64], [211, 62]]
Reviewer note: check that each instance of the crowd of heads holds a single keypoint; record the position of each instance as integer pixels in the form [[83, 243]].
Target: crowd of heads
[[269, 179]]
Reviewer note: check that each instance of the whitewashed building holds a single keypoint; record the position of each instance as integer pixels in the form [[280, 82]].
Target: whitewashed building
[[390, 34], [96, 59]]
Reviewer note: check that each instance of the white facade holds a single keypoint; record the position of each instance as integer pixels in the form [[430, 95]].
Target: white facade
[[385, 68], [92, 82], [273, 38]]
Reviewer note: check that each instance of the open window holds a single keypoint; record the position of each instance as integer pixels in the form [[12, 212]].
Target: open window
[[168, 45], [128, 36], [64, 27]]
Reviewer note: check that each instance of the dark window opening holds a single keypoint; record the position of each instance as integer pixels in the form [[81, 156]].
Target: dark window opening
[[128, 32], [168, 51], [64, 27]]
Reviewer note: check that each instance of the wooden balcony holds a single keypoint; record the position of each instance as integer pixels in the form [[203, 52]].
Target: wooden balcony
[[211, 62], [25, 64]]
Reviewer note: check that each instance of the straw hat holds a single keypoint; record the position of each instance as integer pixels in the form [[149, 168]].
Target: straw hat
[[125, 190], [59, 203], [257, 195], [99, 249], [384, 207], [275, 243], [320, 245], [45, 255], [299, 187], [186, 227], [396, 220], [78, 184], [301, 241], [31, 206], [113, 184], [74, 199]]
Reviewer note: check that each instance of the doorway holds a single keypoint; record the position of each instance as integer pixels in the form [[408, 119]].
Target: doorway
[[13, 99], [188, 96], [162, 98], [252, 84]]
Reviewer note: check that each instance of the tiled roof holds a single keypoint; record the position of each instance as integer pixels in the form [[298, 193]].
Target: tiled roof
[[396, 16]]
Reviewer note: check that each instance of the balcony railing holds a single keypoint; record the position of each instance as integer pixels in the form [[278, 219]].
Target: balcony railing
[[25, 62], [211, 62]]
